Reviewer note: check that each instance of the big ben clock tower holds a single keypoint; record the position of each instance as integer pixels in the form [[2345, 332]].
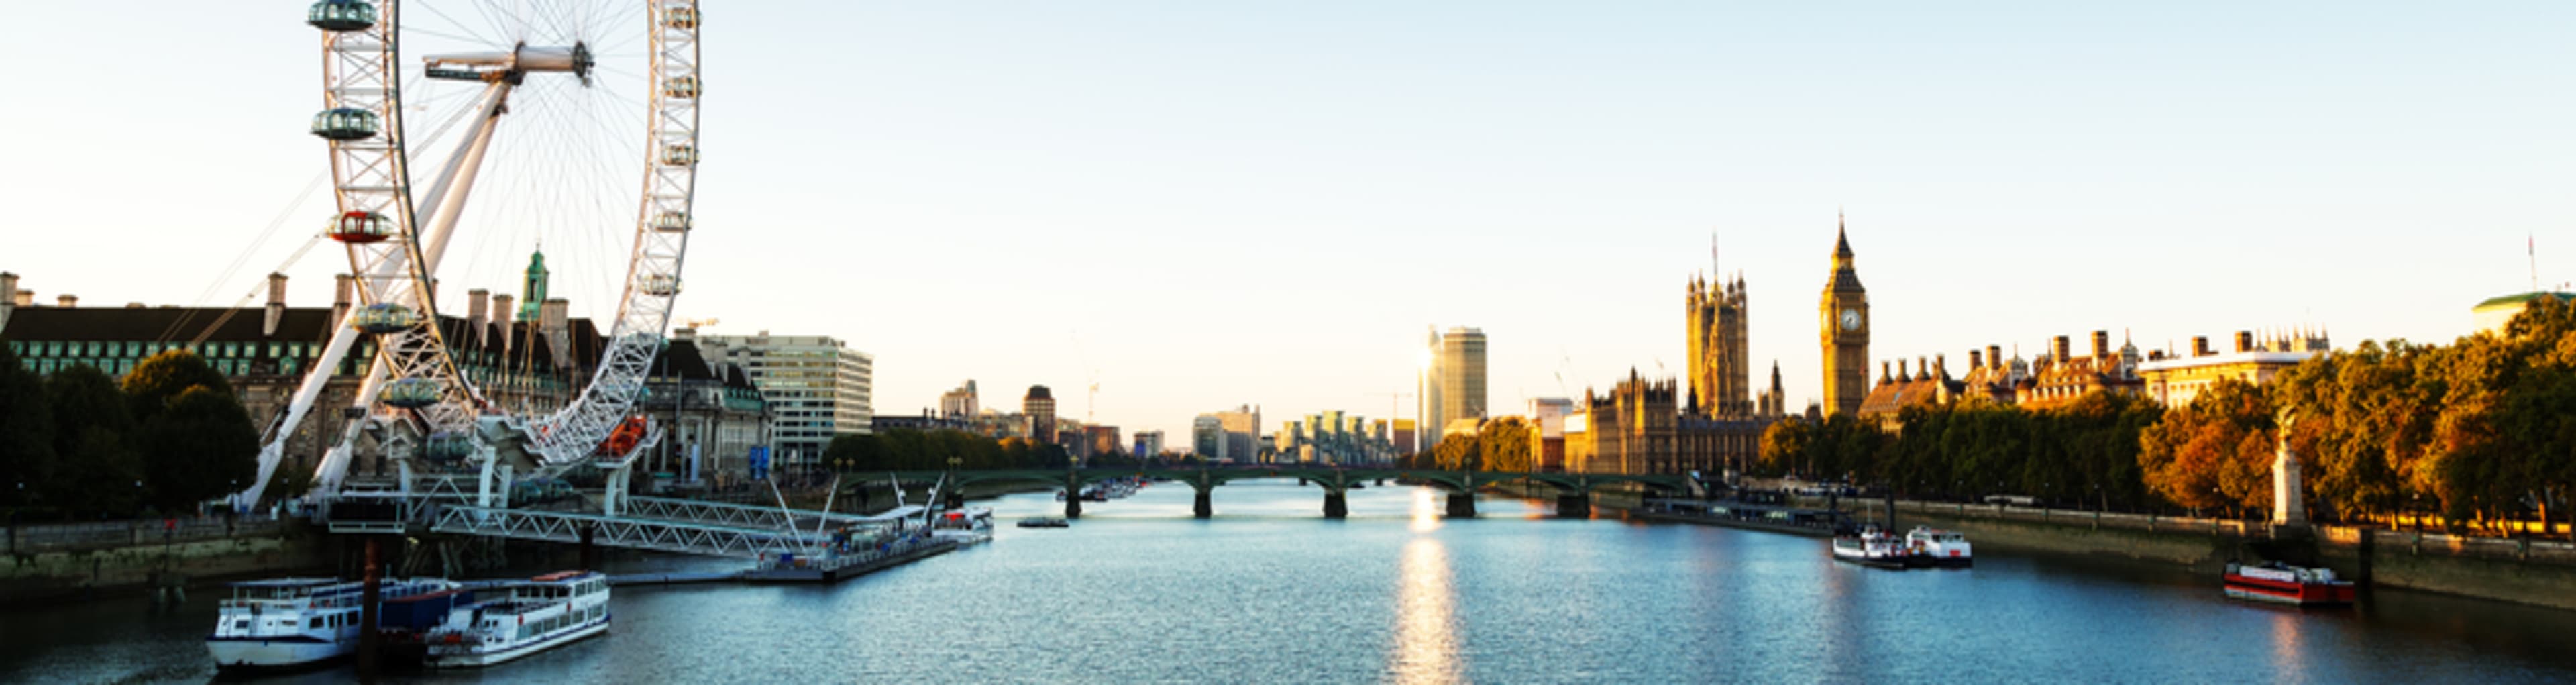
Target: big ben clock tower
[[1844, 320]]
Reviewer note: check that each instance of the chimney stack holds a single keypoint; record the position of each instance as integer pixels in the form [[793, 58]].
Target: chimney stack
[[1976, 360], [2244, 341], [2058, 350], [8, 297], [1902, 374], [504, 317], [1995, 356], [1941, 367], [341, 287], [24, 298], [1883, 375], [477, 307], [67, 300], [2101, 344], [2200, 346], [276, 304], [556, 318]]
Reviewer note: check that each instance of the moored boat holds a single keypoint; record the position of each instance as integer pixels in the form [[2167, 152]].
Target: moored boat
[[2281, 583], [526, 617], [1941, 547], [1044, 522], [1877, 548], [293, 622], [965, 527]]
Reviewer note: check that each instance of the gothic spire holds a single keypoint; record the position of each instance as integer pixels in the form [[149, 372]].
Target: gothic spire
[[1842, 241]]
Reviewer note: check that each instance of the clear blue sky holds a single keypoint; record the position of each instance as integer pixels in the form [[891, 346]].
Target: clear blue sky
[[1204, 204]]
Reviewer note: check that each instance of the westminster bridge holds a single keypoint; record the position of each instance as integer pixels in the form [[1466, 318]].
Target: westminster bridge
[[1574, 489]]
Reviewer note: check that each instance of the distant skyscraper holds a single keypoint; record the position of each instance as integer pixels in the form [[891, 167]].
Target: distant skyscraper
[[960, 402], [1456, 379], [1427, 391], [1242, 434], [1149, 443], [1039, 408], [1207, 436]]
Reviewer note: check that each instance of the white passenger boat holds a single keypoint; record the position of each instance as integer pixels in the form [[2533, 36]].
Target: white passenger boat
[[524, 618], [291, 622], [966, 527], [1943, 547], [1874, 547]]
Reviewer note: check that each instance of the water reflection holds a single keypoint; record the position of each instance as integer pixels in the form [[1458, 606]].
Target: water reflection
[[1427, 509], [2289, 657], [1426, 632]]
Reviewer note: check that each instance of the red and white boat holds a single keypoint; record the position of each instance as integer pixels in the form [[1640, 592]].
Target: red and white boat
[[2285, 584]]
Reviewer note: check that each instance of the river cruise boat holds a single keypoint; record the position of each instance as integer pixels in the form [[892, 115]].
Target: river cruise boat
[[1044, 522], [1877, 548], [2285, 584], [966, 527], [524, 618], [286, 623], [1944, 547]]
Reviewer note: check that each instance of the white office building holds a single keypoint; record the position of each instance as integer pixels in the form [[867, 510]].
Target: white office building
[[817, 387]]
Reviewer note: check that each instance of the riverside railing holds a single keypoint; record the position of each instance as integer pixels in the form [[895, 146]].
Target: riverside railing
[[2414, 542]]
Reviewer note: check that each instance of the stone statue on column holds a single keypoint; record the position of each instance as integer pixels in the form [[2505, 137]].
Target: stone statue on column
[[2289, 496]]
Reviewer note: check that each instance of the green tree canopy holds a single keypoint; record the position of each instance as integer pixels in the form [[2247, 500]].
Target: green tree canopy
[[27, 444], [199, 447], [94, 429], [157, 380]]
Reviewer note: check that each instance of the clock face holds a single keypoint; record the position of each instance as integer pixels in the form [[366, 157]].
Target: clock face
[[1851, 319]]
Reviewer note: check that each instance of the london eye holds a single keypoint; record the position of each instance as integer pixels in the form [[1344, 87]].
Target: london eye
[[457, 128]]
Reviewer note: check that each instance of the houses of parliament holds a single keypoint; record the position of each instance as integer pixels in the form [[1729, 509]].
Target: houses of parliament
[[1644, 425]]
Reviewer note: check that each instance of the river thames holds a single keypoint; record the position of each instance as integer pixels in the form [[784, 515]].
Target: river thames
[[1137, 591]]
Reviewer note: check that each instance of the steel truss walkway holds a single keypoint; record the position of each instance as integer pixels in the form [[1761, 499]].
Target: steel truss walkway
[[645, 534], [733, 515]]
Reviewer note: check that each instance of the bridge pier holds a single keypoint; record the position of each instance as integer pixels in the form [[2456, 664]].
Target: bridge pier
[[1201, 506], [1574, 506], [1073, 506], [1462, 505], [1336, 505]]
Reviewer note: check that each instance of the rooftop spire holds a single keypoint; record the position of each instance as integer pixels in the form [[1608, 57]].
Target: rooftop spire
[[1842, 240]]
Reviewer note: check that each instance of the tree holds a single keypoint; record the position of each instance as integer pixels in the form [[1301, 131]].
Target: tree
[[1784, 445], [198, 447], [162, 377], [27, 444], [856, 452], [94, 430], [1505, 444], [2215, 452]]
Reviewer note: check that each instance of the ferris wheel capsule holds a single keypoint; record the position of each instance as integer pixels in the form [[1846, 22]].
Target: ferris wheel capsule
[[345, 123], [682, 17], [411, 393], [342, 15], [383, 317], [680, 87], [680, 154], [361, 227], [671, 222], [661, 285]]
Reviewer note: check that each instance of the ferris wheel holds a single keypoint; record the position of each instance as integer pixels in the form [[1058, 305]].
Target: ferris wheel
[[556, 109]]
